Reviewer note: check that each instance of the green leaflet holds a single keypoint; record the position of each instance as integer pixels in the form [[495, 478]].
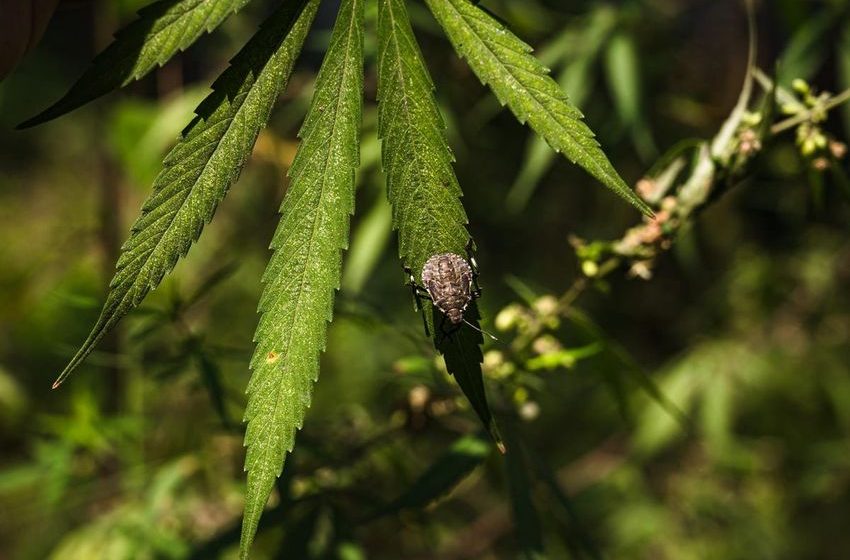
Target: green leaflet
[[305, 268], [576, 77], [199, 170], [529, 531], [161, 30], [506, 64], [449, 470], [462, 354], [421, 184]]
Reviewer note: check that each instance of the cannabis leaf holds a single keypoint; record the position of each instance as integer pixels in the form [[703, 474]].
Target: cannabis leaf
[[199, 170], [421, 184], [505, 63], [161, 30], [305, 268], [462, 354]]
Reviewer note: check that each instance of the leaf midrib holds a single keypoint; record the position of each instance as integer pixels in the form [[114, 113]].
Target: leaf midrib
[[405, 97], [141, 279], [320, 215], [203, 169]]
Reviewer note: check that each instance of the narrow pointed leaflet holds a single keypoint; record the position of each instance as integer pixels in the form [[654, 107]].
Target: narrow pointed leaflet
[[421, 184], [162, 30], [442, 476], [504, 63], [198, 172], [305, 268]]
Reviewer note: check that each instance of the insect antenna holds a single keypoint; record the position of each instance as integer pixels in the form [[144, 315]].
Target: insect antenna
[[482, 331]]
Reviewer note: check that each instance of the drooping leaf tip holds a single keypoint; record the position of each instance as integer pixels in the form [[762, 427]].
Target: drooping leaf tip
[[31, 122], [52, 112], [63, 376], [496, 435], [641, 205]]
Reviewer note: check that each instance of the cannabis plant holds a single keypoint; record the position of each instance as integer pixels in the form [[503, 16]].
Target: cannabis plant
[[304, 270]]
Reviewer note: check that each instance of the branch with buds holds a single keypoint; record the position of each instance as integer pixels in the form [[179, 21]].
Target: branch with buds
[[684, 183], [719, 164]]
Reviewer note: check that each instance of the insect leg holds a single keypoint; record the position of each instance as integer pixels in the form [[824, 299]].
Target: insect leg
[[476, 288], [473, 264], [470, 255], [425, 323], [419, 293]]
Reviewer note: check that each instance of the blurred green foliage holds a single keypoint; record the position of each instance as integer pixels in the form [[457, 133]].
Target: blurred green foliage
[[702, 414]]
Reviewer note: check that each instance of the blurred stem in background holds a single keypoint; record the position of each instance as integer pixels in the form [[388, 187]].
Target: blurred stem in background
[[111, 225], [22, 23]]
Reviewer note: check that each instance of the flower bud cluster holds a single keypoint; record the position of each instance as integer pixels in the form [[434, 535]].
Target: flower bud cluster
[[817, 146], [535, 349]]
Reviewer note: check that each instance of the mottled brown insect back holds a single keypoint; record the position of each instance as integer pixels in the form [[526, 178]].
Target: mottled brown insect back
[[448, 279]]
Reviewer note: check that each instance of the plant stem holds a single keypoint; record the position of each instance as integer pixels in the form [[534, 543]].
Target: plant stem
[[804, 116]]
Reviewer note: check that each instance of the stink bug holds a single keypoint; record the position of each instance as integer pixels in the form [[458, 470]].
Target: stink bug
[[450, 282]]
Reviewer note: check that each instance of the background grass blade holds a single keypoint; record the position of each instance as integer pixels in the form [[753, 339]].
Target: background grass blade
[[462, 458], [576, 78], [518, 476]]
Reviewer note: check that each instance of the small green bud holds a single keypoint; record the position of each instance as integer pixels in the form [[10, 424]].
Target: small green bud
[[493, 359], [545, 344], [520, 395], [546, 305], [508, 317], [529, 410], [751, 119], [800, 86], [590, 268], [808, 147]]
